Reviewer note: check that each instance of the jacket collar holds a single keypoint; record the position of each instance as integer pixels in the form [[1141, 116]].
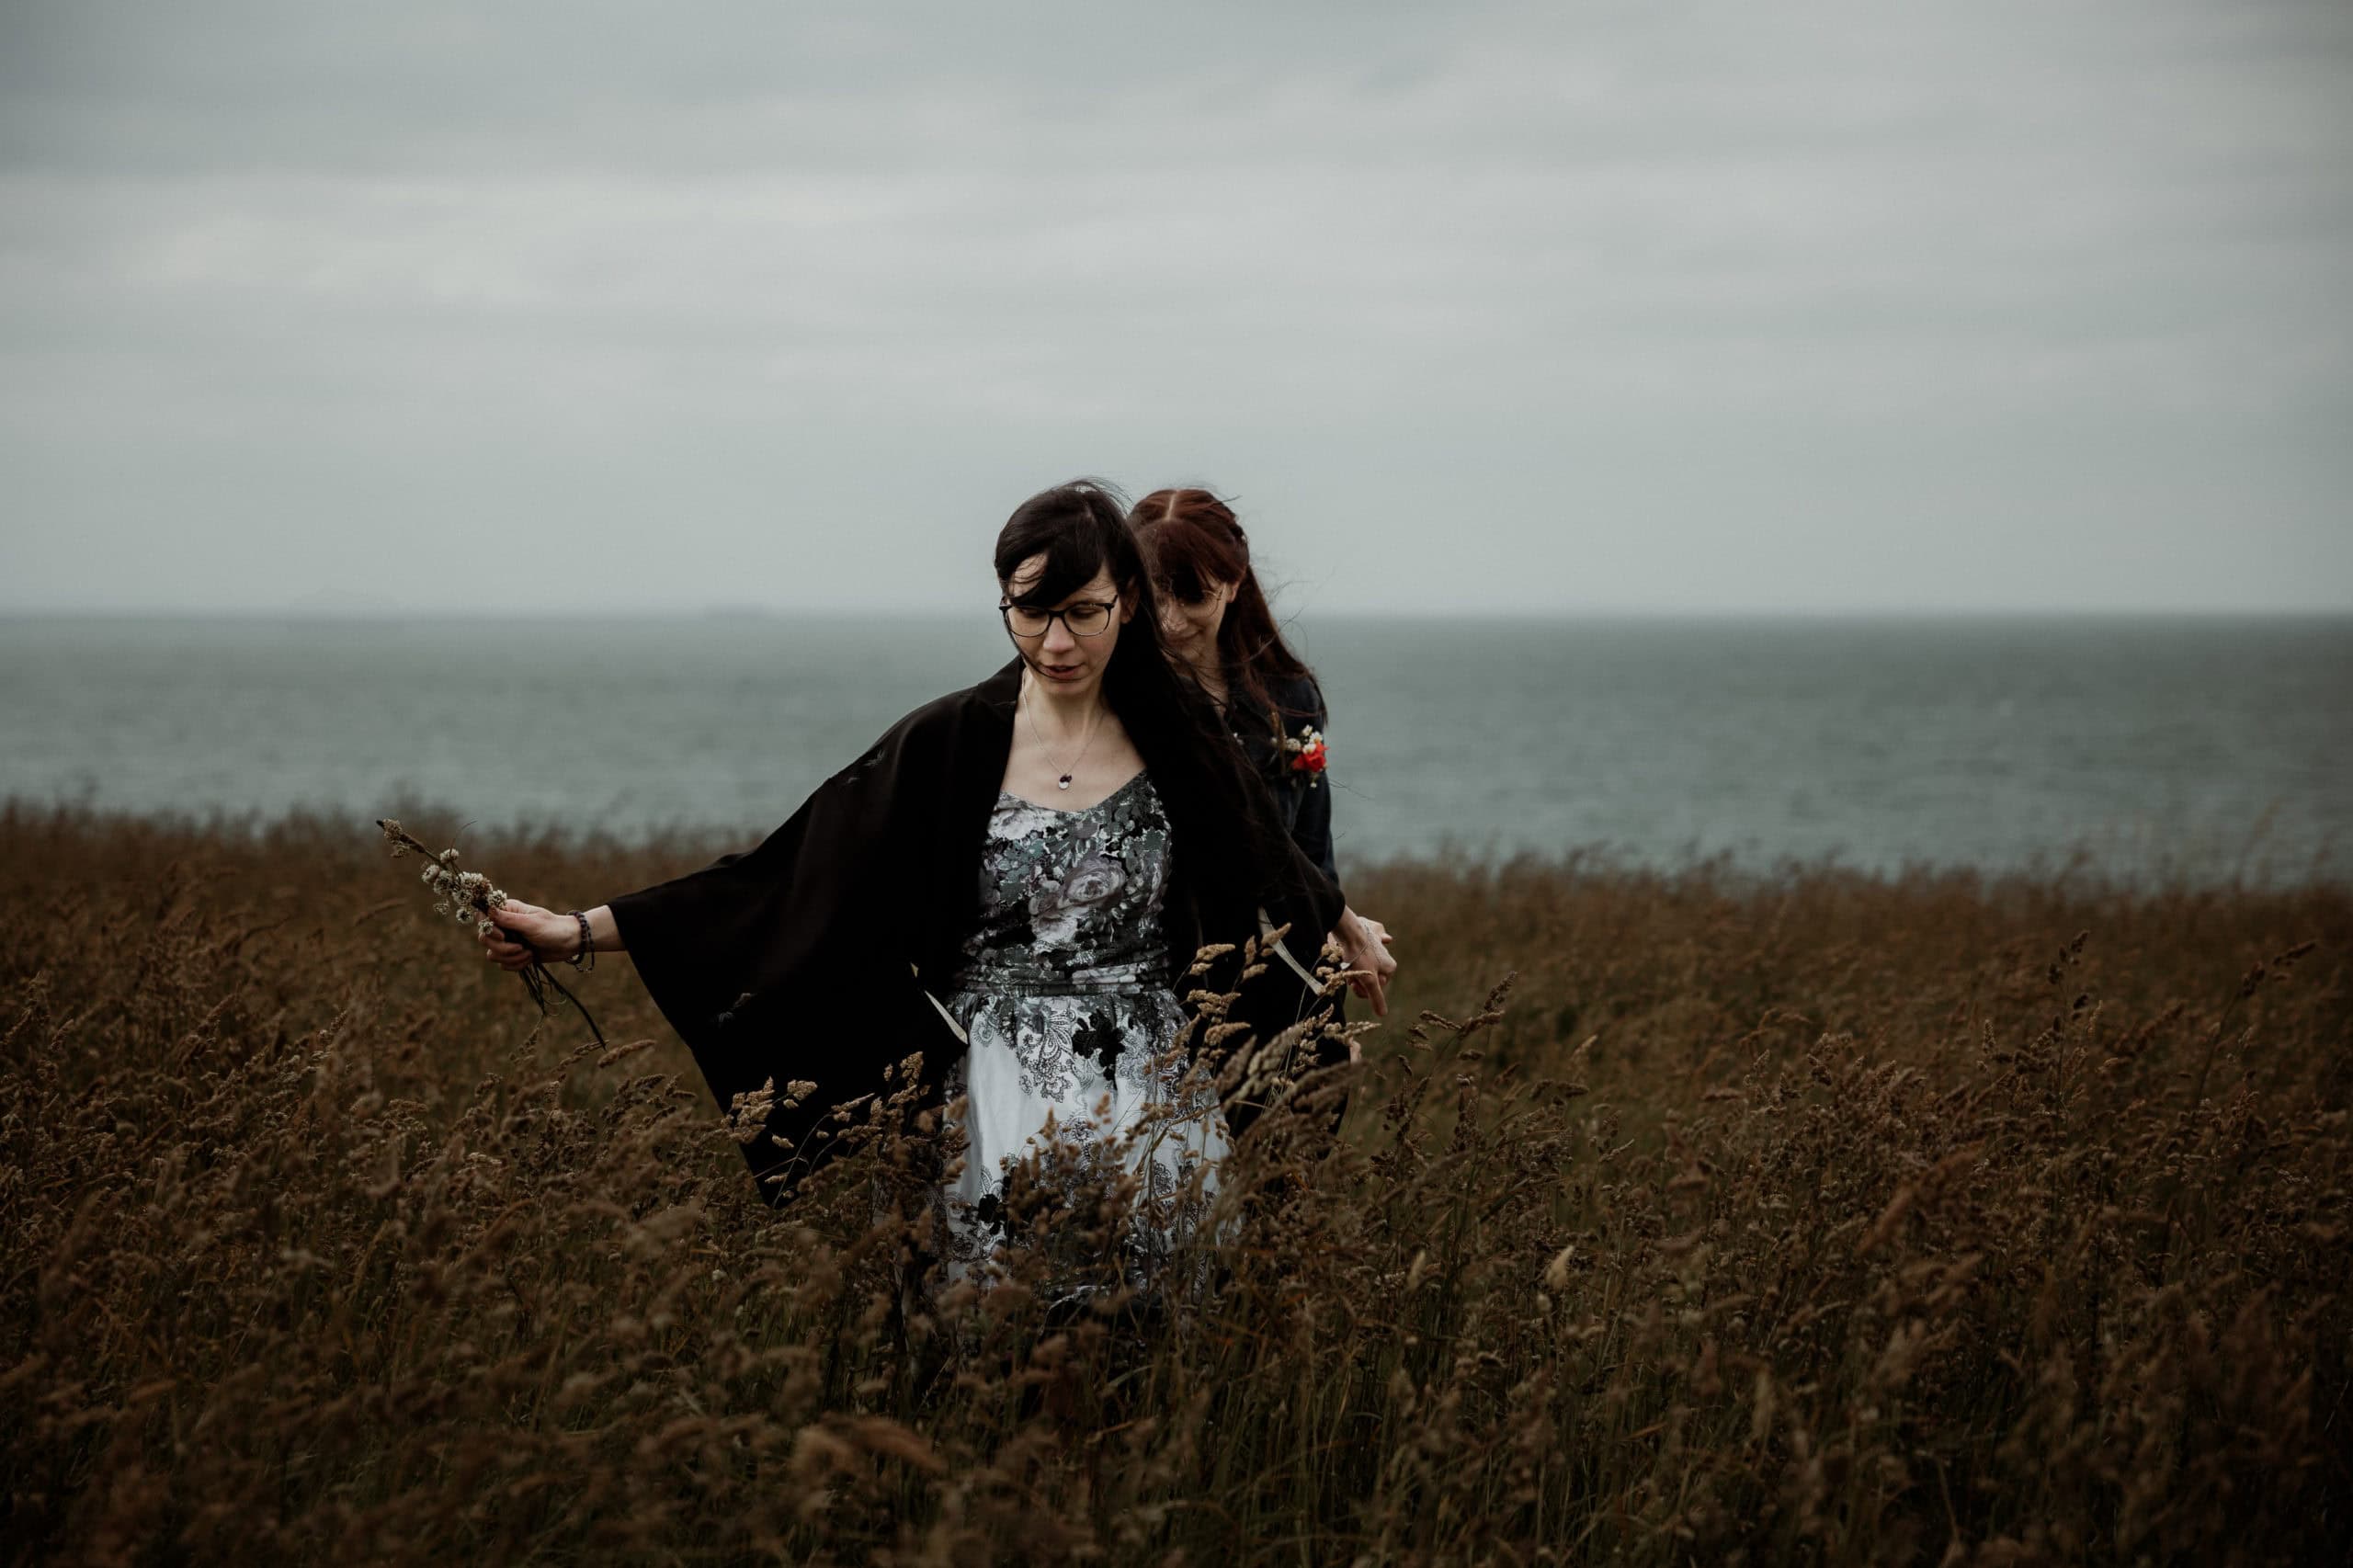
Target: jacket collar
[[1001, 690]]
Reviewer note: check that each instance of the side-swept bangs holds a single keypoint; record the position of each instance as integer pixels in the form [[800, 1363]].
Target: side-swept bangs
[[1081, 527]]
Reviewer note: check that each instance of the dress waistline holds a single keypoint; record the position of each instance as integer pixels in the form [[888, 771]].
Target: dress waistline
[[984, 979]]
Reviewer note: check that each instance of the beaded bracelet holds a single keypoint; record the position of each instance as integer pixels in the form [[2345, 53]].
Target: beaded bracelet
[[586, 958]]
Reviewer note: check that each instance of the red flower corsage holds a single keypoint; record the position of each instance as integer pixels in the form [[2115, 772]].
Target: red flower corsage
[[1307, 752]]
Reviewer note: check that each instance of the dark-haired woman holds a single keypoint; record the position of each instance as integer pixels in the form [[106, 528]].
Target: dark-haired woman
[[1216, 621], [1029, 864]]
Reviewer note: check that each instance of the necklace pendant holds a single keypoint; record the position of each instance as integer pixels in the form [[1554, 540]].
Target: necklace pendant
[[1063, 782]]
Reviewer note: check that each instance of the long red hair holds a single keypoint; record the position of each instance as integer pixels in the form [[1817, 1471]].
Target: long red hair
[[1191, 542]]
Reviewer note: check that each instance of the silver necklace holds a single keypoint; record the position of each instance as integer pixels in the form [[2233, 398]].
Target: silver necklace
[[1063, 782]]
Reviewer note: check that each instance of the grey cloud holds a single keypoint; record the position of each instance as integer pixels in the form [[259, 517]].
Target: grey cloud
[[1761, 290]]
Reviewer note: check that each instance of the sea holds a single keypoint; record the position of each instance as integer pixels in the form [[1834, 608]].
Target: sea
[[2199, 750]]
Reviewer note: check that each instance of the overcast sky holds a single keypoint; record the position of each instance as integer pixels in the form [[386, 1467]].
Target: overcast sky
[[1769, 307]]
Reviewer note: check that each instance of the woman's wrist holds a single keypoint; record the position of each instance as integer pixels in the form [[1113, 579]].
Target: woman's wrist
[[604, 934], [584, 951]]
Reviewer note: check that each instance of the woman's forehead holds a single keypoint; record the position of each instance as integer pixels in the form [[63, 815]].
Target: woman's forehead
[[1025, 576]]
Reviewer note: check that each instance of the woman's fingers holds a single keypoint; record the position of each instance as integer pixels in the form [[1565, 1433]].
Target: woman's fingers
[[518, 928], [1362, 945], [1371, 983]]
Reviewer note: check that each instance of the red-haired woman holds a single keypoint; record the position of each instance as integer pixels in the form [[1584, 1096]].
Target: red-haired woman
[[1215, 624]]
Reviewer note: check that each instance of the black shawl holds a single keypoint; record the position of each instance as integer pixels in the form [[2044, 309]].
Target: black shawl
[[807, 958]]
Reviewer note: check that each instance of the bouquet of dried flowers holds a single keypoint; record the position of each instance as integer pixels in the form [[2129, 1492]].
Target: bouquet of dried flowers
[[470, 897]]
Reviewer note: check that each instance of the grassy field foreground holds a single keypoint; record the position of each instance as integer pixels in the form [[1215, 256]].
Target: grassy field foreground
[[1824, 1220]]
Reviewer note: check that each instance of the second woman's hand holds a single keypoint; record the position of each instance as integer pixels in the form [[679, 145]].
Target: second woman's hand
[[1365, 944], [529, 935]]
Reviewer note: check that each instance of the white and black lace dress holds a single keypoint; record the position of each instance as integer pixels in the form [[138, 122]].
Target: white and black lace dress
[[1066, 993]]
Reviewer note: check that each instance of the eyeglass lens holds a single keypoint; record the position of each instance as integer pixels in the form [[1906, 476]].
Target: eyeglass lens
[[1083, 620]]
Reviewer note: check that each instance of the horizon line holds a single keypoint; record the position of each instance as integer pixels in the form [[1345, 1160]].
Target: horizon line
[[1415, 613]]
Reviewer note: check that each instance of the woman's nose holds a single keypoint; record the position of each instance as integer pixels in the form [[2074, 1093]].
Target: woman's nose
[[1058, 637]]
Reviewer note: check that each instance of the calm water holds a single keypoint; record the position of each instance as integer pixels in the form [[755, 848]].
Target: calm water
[[2206, 747]]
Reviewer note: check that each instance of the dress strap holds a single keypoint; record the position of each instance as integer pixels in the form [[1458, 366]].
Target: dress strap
[[950, 1018], [1265, 928]]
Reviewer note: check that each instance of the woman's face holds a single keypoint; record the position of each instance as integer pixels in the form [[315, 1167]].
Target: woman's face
[[1190, 630], [1063, 660]]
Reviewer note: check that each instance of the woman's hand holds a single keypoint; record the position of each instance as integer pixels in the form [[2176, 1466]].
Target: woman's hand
[[1365, 944], [529, 935]]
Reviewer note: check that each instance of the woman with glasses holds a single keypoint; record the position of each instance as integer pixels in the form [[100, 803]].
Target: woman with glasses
[[1216, 619], [1013, 882]]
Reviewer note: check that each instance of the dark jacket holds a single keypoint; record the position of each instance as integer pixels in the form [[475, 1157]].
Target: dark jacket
[[1304, 798], [808, 956]]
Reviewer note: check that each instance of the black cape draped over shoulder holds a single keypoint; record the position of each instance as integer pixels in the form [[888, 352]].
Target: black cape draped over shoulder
[[808, 956]]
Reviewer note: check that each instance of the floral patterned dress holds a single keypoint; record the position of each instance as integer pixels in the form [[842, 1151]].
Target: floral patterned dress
[[1066, 994]]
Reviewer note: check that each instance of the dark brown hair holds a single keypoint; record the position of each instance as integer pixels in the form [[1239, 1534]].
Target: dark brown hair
[[1192, 542]]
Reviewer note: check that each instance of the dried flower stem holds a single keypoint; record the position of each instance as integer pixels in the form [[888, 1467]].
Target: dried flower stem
[[470, 896]]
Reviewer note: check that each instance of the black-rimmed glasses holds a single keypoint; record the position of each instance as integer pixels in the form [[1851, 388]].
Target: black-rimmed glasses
[[1087, 617]]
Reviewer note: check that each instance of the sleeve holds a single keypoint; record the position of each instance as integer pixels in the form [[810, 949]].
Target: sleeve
[[1312, 830], [786, 962], [1310, 905], [1306, 892]]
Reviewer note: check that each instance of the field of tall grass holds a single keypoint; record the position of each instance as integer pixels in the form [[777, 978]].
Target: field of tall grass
[[1700, 1219]]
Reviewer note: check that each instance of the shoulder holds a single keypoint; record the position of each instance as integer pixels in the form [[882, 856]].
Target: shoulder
[[1298, 697], [989, 701]]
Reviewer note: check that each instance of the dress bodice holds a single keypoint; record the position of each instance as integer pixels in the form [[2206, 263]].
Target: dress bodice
[[1070, 900]]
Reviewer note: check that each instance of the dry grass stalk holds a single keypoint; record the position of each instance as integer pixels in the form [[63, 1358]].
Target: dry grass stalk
[[1822, 1218]]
